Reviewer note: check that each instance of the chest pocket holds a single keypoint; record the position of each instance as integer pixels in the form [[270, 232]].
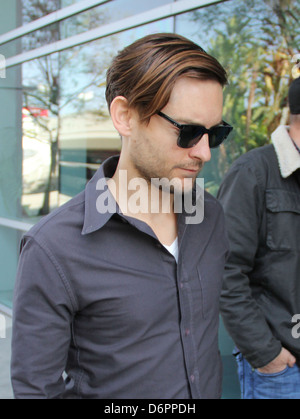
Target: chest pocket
[[283, 220]]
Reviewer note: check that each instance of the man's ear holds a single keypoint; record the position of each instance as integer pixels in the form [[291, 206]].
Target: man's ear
[[121, 115]]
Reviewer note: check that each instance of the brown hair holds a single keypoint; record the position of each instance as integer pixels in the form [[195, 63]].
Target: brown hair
[[146, 71]]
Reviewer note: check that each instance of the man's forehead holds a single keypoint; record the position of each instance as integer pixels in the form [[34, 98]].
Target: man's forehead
[[196, 102]]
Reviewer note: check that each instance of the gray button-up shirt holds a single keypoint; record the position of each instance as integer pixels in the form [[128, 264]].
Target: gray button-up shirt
[[99, 298]]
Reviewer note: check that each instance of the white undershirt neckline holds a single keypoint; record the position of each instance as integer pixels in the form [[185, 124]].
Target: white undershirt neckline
[[173, 249]]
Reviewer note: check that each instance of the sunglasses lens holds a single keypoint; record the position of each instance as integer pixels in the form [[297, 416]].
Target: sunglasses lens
[[218, 135], [190, 136]]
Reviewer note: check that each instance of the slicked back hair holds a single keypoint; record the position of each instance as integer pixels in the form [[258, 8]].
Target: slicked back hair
[[146, 71]]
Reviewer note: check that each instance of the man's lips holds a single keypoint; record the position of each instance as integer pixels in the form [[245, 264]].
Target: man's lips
[[191, 169]]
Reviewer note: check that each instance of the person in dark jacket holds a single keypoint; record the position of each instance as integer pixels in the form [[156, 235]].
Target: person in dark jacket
[[260, 300]]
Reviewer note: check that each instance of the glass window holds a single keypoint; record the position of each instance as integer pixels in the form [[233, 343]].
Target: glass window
[[35, 9], [9, 255], [82, 22], [10, 155]]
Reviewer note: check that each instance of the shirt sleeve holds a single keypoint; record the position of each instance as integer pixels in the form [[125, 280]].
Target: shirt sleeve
[[243, 198], [42, 318]]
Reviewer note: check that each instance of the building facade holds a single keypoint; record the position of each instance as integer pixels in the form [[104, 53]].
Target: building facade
[[54, 125]]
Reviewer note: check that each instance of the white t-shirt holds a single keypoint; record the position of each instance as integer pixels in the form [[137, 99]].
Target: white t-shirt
[[173, 249]]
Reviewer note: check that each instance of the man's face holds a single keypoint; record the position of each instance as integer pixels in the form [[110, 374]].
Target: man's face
[[153, 148]]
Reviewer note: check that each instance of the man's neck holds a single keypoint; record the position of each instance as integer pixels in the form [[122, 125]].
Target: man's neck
[[295, 133], [137, 199]]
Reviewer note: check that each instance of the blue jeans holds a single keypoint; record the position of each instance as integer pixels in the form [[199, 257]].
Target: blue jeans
[[255, 385]]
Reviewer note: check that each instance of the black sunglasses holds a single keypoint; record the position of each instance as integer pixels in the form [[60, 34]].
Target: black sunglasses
[[190, 135]]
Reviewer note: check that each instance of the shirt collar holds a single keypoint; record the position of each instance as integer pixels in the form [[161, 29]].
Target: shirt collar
[[96, 188], [93, 219], [288, 157]]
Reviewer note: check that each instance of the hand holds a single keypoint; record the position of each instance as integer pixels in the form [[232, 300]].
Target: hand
[[284, 360]]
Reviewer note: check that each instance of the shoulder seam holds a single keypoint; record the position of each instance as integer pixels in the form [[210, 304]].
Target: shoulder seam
[[65, 281], [247, 164]]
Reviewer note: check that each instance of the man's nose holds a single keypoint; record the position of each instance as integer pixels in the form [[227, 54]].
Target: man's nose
[[201, 150]]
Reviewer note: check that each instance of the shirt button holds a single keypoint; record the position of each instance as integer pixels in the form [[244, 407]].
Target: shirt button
[[181, 285], [187, 332], [192, 377]]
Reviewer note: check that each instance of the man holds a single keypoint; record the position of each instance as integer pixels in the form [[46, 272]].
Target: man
[[261, 293], [126, 302]]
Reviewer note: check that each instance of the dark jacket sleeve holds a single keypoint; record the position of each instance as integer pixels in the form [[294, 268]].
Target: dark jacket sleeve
[[42, 318], [242, 197]]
